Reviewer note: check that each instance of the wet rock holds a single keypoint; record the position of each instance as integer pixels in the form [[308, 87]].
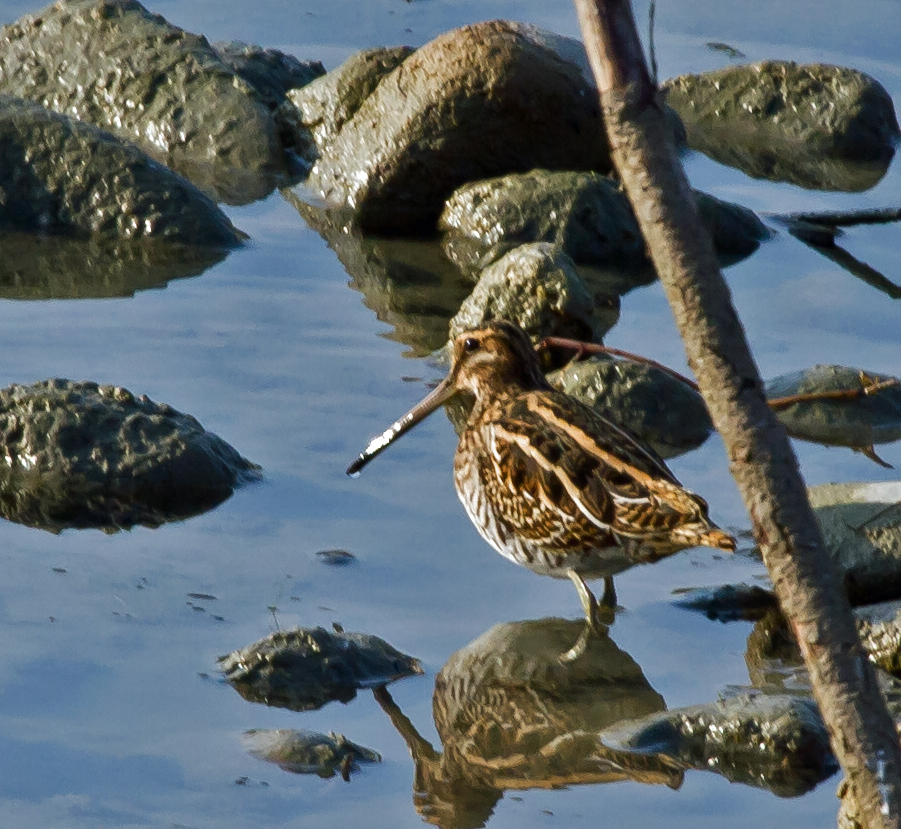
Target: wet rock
[[273, 74], [861, 525], [586, 214], [479, 101], [729, 602], [308, 752], [857, 422], [270, 72], [305, 668], [114, 64], [819, 126], [736, 231], [328, 103], [879, 627], [82, 455], [777, 742], [408, 283], [653, 404], [60, 175], [43, 266], [537, 287]]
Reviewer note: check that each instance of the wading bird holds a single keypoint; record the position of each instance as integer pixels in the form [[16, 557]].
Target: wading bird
[[547, 481]]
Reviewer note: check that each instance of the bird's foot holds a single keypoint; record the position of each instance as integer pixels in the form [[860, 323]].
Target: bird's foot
[[596, 615]]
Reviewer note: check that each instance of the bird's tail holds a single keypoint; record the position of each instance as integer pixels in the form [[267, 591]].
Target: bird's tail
[[717, 538]]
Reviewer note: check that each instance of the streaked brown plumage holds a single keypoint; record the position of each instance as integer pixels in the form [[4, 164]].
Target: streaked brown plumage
[[547, 481]]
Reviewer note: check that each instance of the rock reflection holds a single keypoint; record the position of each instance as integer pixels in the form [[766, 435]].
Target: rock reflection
[[511, 715], [66, 267], [789, 162], [408, 283]]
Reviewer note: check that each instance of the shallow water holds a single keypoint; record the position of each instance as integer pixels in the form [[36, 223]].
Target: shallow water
[[110, 712]]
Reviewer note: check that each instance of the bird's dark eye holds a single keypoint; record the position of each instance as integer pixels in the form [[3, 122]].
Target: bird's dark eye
[[471, 344]]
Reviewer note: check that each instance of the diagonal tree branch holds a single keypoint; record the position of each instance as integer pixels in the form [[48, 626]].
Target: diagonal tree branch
[[761, 459]]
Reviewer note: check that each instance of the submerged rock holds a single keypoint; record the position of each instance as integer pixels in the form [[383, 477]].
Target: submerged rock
[[776, 742], [305, 668], [45, 266], [819, 126], [537, 287], [651, 403], [328, 103], [479, 101], [861, 525], [60, 175], [308, 752], [114, 64], [83, 455], [857, 422], [408, 283], [586, 214]]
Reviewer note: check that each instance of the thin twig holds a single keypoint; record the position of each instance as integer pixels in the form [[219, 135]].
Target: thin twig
[[594, 348], [838, 394], [869, 387]]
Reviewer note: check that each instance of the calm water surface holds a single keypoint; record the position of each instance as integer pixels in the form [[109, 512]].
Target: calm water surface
[[106, 718]]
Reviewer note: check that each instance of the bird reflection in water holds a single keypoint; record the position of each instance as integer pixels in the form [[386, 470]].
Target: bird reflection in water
[[512, 716]]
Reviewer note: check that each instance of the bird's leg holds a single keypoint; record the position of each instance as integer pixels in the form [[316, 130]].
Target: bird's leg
[[589, 602], [593, 625]]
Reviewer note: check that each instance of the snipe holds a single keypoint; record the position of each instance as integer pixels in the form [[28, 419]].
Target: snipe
[[547, 481]]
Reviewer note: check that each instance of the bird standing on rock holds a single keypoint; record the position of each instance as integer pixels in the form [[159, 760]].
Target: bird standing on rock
[[547, 481]]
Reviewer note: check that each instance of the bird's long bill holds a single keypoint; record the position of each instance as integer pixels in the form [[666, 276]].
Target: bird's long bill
[[443, 392]]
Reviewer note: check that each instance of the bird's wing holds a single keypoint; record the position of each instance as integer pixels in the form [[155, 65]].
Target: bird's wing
[[581, 463]]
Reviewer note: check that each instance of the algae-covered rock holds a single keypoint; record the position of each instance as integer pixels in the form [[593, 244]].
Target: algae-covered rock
[[819, 126], [83, 455], [60, 175], [651, 403], [408, 283], [327, 103], [537, 287], [858, 422], [777, 742], [46, 266], [305, 668], [114, 64], [586, 214], [479, 101], [308, 752], [861, 525]]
